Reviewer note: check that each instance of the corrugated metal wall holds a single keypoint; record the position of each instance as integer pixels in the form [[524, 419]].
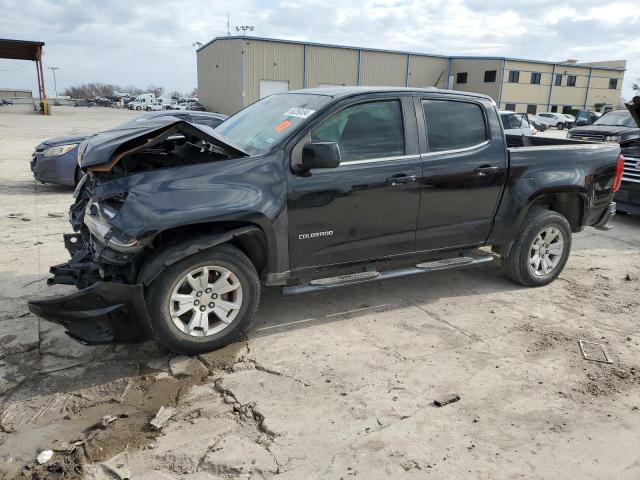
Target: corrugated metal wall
[[326, 65], [271, 61], [426, 71], [384, 69], [220, 76]]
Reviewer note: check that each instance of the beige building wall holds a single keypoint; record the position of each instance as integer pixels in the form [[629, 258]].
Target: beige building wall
[[383, 69], [271, 61], [475, 76], [547, 94], [230, 71], [326, 65], [220, 76], [7, 93], [524, 92], [599, 91], [426, 71]]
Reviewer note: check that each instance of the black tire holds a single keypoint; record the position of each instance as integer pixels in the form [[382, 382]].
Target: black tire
[[560, 126], [158, 300], [516, 264]]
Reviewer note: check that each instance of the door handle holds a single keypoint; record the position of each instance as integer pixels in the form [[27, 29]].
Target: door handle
[[486, 170], [401, 179]]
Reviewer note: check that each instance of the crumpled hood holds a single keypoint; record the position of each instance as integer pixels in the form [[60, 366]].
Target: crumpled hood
[[53, 142], [104, 149]]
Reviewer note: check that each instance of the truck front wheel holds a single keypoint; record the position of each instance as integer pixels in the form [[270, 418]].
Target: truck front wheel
[[205, 301], [541, 250]]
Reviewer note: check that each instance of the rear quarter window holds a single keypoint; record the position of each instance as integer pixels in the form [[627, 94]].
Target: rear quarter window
[[453, 125]]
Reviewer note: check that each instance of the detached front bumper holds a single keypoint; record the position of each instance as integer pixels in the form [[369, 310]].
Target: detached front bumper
[[105, 312]]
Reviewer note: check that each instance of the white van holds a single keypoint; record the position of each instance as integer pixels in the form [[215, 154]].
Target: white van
[[142, 101]]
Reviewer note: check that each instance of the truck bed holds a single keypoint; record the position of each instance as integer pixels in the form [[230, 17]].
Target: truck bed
[[515, 141]]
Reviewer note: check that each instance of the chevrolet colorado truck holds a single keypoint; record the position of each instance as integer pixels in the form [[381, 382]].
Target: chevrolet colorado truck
[[179, 226]]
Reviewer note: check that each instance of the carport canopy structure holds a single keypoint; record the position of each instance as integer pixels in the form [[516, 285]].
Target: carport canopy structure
[[27, 50]]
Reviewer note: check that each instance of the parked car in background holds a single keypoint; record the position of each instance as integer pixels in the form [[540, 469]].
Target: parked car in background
[[585, 117], [6, 101], [175, 236], [554, 119], [103, 102], [537, 122], [83, 102], [154, 106], [516, 123], [55, 161], [196, 106], [623, 127]]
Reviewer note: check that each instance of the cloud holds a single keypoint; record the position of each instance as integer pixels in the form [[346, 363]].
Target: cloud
[[143, 42]]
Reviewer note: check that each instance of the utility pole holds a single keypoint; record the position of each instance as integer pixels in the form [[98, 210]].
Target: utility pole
[[228, 31], [55, 86]]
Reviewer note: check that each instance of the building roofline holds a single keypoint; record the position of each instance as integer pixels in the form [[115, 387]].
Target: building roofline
[[564, 64], [405, 52], [315, 44]]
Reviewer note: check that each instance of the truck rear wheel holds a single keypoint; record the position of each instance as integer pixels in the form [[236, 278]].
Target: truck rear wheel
[[204, 301], [541, 251]]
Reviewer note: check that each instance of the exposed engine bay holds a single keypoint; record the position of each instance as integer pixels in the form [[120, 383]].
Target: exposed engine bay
[[100, 249]]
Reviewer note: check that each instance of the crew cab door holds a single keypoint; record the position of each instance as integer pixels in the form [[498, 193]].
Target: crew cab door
[[367, 207], [464, 171]]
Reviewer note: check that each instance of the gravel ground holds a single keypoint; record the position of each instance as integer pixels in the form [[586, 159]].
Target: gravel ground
[[326, 386]]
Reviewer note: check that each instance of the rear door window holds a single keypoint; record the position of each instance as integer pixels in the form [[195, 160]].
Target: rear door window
[[452, 125], [365, 131]]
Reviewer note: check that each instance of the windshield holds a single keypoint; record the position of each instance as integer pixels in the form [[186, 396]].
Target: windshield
[[264, 123], [616, 119]]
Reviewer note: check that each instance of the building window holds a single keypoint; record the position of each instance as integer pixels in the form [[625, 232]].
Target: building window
[[489, 76], [567, 109], [535, 78], [461, 77], [510, 106], [571, 81], [613, 83], [532, 109], [558, 81], [443, 117], [554, 108], [514, 76]]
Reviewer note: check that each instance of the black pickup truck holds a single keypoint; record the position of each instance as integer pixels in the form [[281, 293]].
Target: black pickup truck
[[179, 226]]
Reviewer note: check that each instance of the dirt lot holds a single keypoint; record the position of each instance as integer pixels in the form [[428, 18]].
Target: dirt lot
[[337, 385]]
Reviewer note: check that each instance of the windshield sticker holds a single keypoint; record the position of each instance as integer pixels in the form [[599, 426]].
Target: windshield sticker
[[283, 126], [299, 112]]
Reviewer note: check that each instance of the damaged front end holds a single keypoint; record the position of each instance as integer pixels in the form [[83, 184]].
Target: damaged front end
[[107, 248]]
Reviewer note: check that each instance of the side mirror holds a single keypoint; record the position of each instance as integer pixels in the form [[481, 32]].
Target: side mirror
[[320, 155]]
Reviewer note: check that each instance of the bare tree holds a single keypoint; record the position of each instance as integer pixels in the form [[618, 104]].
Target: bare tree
[[194, 93], [91, 90], [156, 90]]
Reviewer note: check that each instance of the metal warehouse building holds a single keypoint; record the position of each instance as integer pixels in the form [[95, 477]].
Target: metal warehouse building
[[235, 71]]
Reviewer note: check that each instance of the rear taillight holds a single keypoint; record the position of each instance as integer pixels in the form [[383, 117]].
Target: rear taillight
[[617, 181]]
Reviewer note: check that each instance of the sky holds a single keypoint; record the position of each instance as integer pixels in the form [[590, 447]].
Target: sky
[[143, 42]]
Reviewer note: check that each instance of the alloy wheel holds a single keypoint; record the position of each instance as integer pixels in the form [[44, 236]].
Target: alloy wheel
[[205, 301], [546, 251]]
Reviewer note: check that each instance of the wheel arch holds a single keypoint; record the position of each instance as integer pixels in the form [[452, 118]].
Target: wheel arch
[[571, 205], [171, 246]]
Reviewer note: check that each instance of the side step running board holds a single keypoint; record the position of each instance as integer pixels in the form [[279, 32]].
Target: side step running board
[[374, 275]]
